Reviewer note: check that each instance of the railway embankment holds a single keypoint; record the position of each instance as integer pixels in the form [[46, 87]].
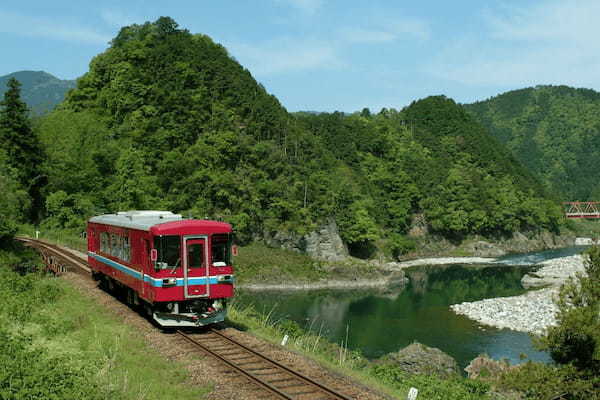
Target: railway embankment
[[533, 311]]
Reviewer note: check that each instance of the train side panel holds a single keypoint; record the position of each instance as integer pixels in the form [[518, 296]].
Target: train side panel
[[113, 252]]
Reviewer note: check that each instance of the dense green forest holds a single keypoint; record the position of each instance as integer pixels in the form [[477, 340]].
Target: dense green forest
[[552, 130], [167, 119]]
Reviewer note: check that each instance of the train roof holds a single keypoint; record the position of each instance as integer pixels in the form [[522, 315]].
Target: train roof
[[142, 220], [160, 222]]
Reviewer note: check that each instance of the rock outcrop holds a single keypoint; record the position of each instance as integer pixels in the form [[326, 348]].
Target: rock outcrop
[[418, 226], [420, 359], [432, 245], [324, 243], [482, 248], [486, 368]]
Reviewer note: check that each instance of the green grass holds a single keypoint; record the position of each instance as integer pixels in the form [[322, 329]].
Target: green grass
[[128, 364], [71, 238], [86, 351], [584, 227], [259, 263]]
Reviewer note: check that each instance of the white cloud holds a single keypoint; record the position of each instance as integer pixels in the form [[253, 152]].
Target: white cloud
[[117, 19], [387, 31], [360, 35], [554, 42], [285, 55], [550, 20], [410, 26], [307, 6], [43, 27]]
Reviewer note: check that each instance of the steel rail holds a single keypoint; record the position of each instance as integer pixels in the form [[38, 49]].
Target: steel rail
[[278, 365], [248, 374]]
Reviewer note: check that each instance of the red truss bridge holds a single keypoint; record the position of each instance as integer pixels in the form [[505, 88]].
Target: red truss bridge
[[582, 209]]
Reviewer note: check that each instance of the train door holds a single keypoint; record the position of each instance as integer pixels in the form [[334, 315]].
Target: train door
[[195, 270]]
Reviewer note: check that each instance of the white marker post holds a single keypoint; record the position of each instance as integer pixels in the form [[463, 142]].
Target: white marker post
[[412, 394], [37, 234], [284, 340]]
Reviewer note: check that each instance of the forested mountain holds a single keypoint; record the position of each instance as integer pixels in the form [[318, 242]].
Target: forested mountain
[[40, 90], [552, 130], [166, 119], [434, 158]]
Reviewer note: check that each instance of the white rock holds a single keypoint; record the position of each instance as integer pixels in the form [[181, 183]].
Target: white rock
[[531, 312]]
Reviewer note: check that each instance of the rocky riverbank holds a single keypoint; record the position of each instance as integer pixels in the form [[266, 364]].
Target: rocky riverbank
[[395, 279], [440, 261], [533, 311], [477, 246]]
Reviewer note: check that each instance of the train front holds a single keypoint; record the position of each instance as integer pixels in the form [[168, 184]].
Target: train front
[[192, 272]]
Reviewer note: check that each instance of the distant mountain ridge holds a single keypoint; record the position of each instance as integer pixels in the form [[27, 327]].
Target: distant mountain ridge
[[40, 90], [554, 131]]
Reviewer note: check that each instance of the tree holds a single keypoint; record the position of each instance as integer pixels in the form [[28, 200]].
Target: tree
[[67, 210], [132, 188], [575, 339], [19, 141], [14, 200]]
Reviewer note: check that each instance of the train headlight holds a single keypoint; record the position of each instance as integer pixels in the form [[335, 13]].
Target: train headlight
[[218, 304], [169, 282], [225, 279], [170, 306]]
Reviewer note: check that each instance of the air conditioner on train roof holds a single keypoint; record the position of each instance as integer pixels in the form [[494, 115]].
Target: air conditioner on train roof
[[149, 213]]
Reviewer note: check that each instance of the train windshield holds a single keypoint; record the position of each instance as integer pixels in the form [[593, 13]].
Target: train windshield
[[221, 250], [169, 251]]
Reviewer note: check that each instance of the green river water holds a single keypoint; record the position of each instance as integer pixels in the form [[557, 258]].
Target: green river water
[[379, 322]]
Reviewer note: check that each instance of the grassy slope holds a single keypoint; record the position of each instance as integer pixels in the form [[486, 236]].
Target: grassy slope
[[86, 345]]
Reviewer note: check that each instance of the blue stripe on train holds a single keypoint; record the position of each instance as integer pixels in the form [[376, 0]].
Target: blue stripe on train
[[156, 282]]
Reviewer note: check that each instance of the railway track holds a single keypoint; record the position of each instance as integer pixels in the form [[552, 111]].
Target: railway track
[[57, 259], [276, 379], [281, 381]]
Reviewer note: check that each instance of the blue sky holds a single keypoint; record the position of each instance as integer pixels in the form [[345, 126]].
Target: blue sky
[[337, 55]]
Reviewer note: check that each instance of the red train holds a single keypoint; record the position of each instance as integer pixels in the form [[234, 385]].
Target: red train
[[178, 269]]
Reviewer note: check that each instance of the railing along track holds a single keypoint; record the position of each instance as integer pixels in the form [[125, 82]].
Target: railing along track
[[278, 379], [56, 258]]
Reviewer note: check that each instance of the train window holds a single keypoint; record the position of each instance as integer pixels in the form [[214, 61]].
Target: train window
[[221, 250], [195, 255], [126, 249], [115, 245], [169, 251], [104, 247]]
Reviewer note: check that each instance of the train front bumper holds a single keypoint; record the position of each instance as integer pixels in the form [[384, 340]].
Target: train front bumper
[[166, 319]]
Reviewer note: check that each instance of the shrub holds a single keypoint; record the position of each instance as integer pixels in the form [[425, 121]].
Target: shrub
[[576, 337], [400, 244], [30, 373], [431, 387], [543, 381]]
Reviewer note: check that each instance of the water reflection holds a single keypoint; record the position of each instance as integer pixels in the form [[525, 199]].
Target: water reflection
[[380, 323]]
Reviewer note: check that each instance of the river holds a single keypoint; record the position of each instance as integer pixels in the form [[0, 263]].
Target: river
[[379, 322]]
